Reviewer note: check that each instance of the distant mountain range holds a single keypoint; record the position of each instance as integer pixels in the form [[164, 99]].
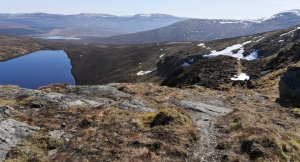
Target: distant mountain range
[[85, 24], [141, 28], [206, 29]]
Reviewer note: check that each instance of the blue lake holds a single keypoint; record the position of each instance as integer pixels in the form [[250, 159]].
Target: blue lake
[[58, 38], [37, 69]]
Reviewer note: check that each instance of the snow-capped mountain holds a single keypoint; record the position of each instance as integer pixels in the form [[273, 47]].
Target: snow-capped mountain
[[295, 12], [208, 29]]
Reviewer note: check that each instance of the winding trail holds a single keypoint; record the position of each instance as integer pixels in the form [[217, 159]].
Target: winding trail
[[205, 117], [239, 67]]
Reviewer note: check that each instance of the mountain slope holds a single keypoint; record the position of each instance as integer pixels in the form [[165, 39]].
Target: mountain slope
[[85, 24], [261, 57], [145, 121], [206, 30], [156, 62]]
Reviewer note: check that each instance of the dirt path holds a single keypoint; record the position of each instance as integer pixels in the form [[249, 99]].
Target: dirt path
[[239, 67], [205, 117]]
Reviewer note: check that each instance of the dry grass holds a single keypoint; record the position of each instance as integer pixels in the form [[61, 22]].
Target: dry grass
[[104, 134], [259, 131], [8, 102], [165, 116], [116, 135]]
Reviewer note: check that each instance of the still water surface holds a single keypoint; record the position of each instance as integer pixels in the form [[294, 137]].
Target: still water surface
[[37, 69]]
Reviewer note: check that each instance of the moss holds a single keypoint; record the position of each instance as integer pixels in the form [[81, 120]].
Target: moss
[[18, 115], [223, 145], [295, 144], [235, 126], [165, 116], [296, 111], [280, 147], [8, 102], [25, 153], [76, 109], [83, 149], [261, 143], [8, 87]]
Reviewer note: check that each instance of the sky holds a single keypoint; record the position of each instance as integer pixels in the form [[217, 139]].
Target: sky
[[228, 9]]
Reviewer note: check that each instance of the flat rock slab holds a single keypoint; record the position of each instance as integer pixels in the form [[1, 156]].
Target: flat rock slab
[[11, 133], [205, 108], [99, 90], [135, 105]]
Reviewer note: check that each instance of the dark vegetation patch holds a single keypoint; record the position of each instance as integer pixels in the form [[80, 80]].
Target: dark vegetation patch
[[212, 73]]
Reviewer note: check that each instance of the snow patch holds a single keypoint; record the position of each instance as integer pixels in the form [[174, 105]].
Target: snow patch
[[143, 15], [185, 65], [162, 55], [281, 14], [229, 22], [201, 45], [258, 20], [290, 32], [296, 12], [253, 55], [241, 77], [260, 38], [140, 73], [143, 72], [228, 51]]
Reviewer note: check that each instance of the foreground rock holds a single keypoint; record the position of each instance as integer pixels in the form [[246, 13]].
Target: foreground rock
[[289, 86], [12, 132]]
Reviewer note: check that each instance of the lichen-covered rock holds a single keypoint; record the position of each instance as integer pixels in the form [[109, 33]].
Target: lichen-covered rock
[[205, 108], [96, 90], [11, 133], [135, 105], [5, 111]]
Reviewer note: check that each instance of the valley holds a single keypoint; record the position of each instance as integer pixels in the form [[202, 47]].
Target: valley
[[80, 25], [102, 64], [151, 97]]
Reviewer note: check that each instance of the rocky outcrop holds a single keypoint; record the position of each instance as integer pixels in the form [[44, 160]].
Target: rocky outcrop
[[211, 73], [289, 85], [11, 133], [28, 106]]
